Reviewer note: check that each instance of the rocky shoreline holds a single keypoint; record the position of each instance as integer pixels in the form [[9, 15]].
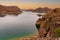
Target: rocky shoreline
[[33, 37], [46, 26]]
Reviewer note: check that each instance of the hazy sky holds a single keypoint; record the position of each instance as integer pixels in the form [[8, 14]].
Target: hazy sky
[[29, 4]]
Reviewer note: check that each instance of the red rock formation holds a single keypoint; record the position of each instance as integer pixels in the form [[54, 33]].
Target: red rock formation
[[57, 10], [9, 10], [51, 22], [43, 10], [39, 10], [47, 10]]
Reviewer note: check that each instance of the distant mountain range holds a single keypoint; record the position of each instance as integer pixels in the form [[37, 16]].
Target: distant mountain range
[[14, 10], [44, 10]]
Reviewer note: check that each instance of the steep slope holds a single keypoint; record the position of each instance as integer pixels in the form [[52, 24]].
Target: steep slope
[[50, 22]]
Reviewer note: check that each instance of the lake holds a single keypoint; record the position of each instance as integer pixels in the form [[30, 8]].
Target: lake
[[18, 26]]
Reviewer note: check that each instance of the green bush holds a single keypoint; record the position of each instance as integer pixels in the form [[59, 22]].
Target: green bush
[[57, 31]]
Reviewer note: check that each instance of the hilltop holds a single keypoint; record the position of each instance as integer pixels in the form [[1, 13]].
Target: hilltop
[[12, 10]]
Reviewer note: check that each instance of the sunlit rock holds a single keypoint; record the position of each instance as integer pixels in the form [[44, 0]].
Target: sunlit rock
[[48, 24], [39, 10], [43, 10], [13, 10]]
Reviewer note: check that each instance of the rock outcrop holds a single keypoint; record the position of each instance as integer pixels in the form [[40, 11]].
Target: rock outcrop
[[14, 10], [57, 10], [39, 10], [48, 24], [38, 23], [43, 10]]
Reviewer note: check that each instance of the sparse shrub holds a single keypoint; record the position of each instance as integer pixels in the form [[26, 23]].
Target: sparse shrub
[[57, 31]]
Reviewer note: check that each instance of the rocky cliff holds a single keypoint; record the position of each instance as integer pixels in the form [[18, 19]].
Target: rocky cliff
[[48, 24], [9, 10]]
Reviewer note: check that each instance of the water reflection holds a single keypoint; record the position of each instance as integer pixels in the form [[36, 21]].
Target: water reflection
[[17, 26], [2, 15]]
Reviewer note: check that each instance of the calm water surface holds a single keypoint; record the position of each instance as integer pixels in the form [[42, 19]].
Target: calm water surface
[[17, 26]]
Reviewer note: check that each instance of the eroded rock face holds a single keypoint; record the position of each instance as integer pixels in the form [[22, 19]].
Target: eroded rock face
[[48, 25], [57, 10], [38, 23], [13, 10]]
